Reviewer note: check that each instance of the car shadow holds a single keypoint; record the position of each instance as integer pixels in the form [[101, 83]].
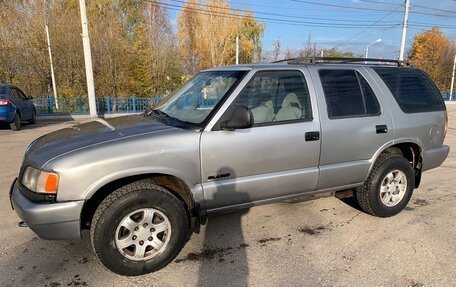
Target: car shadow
[[37, 262], [224, 249], [348, 197]]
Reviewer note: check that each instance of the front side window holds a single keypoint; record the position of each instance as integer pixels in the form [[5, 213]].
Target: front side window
[[348, 94], [276, 96], [195, 100]]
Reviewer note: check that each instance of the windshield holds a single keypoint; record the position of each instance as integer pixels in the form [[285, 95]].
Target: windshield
[[195, 100]]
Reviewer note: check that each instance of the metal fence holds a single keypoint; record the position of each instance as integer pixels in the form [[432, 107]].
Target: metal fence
[[104, 105]]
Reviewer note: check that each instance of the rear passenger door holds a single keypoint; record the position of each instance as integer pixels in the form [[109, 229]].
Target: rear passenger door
[[20, 101], [355, 121], [27, 104], [277, 157]]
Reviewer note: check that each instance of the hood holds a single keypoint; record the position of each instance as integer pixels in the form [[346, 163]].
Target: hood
[[83, 135]]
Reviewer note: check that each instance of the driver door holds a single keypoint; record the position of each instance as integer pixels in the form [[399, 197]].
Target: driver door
[[277, 157]]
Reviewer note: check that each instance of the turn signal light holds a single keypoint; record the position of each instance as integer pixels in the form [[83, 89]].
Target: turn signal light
[[52, 183]]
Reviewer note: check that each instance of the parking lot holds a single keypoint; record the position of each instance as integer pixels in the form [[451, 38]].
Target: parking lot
[[312, 243]]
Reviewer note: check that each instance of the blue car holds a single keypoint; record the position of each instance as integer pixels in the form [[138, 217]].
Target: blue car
[[15, 107]]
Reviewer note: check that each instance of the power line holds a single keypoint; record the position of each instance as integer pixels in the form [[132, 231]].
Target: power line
[[340, 6], [273, 14], [370, 9], [359, 33], [266, 19], [382, 3], [202, 9], [431, 26], [302, 9], [433, 9]]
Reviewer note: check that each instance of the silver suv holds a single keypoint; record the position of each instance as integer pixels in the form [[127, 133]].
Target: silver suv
[[231, 138]]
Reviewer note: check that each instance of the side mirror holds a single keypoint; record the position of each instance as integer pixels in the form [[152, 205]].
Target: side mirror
[[240, 118]]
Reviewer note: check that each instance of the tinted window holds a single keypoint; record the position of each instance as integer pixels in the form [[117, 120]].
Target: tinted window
[[276, 96], [412, 89], [16, 94], [21, 94], [348, 94], [2, 90]]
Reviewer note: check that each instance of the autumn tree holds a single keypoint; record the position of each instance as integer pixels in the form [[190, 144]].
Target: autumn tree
[[207, 35], [427, 53], [134, 48]]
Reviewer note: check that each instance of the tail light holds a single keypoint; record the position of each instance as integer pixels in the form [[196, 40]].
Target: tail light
[[446, 126], [4, 102]]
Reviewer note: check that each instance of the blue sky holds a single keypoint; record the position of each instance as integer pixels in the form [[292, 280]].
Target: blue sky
[[305, 15]]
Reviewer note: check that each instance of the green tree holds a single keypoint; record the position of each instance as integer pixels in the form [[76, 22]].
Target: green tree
[[334, 52]]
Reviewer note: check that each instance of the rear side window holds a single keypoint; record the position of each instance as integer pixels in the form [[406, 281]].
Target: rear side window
[[412, 89], [348, 94], [2, 90], [16, 94]]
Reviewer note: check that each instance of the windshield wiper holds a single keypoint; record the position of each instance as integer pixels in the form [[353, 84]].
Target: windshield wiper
[[160, 115]]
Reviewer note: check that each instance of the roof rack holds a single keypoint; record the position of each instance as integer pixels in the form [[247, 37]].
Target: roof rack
[[342, 60]]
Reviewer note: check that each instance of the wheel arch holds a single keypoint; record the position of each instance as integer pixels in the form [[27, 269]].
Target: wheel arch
[[411, 149], [172, 183]]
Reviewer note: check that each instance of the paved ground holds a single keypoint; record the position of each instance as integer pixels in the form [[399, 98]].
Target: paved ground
[[320, 242]]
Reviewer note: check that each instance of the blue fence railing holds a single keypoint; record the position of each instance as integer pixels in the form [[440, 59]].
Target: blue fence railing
[[104, 105]]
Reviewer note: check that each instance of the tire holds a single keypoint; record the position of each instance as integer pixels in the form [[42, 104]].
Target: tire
[[33, 119], [16, 124], [127, 206], [383, 193]]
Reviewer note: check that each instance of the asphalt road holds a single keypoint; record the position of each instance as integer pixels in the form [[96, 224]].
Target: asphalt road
[[319, 242]]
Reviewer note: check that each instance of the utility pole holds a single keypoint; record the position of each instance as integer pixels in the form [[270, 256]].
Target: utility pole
[[237, 50], [88, 60], [452, 79], [404, 29], [46, 28]]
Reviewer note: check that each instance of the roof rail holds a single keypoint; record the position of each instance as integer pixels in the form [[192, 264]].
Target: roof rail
[[342, 60]]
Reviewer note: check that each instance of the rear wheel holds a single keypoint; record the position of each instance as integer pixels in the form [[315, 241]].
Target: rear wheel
[[16, 124], [139, 229], [389, 186]]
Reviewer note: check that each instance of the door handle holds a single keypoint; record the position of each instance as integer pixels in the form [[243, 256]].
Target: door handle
[[381, 129], [312, 136]]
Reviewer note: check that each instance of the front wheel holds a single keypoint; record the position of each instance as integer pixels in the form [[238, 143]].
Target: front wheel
[[139, 229], [389, 186]]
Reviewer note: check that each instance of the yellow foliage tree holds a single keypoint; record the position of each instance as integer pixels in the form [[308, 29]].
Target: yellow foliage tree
[[207, 35], [427, 53]]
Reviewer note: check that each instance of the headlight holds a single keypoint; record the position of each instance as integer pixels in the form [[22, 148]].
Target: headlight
[[40, 181]]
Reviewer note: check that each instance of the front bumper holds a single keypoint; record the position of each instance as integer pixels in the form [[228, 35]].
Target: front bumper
[[434, 157], [57, 221]]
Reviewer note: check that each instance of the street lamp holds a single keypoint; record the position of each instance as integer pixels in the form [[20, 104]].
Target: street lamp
[[367, 47]]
